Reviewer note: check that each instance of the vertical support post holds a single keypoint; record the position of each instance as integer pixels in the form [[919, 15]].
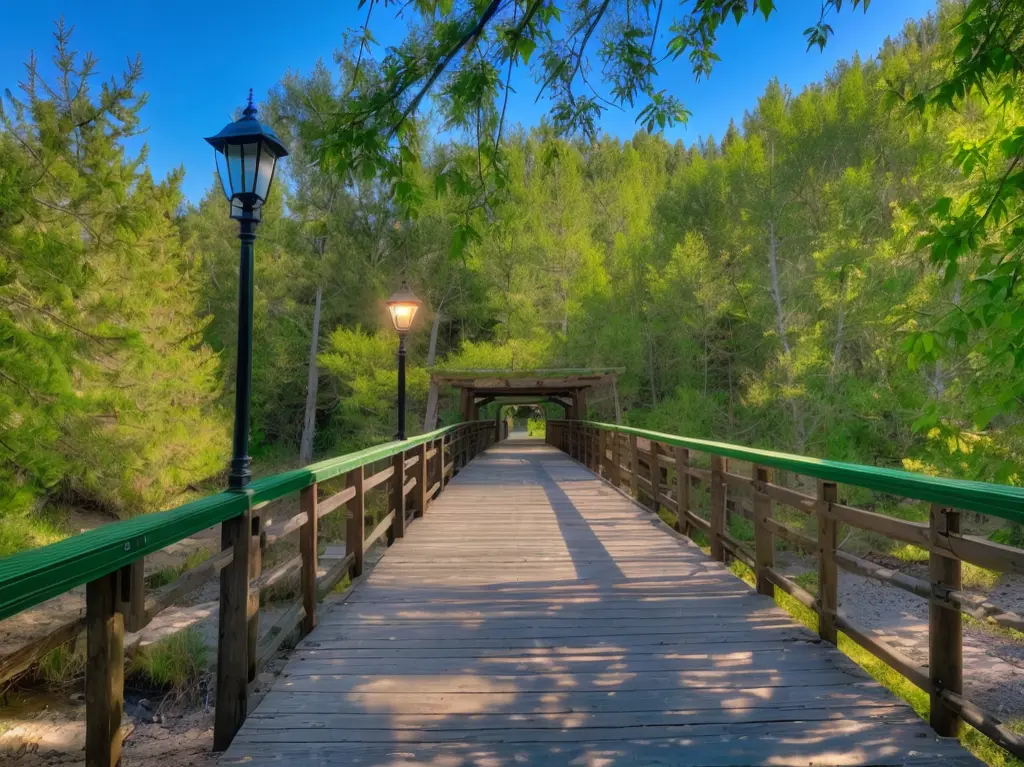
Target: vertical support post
[[828, 571], [355, 522], [104, 673], [308, 551], [945, 625], [634, 467], [131, 595], [602, 455], [717, 507], [398, 494], [232, 632], [682, 489], [616, 459], [252, 601], [421, 480], [655, 477], [764, 539]]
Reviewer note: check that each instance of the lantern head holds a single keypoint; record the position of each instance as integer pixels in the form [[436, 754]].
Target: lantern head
[[403, 305], [247, 152]]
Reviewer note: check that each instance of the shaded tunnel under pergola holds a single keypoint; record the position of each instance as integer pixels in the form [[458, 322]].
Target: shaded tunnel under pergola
[[568, 388]]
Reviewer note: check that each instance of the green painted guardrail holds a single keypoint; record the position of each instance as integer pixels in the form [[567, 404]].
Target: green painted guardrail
[[1004, 501], [33, 576]]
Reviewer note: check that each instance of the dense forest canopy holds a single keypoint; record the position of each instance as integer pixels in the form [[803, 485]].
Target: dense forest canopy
[[837, 275]]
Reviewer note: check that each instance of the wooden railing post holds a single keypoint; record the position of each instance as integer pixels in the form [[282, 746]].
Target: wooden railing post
[[398, 494], [131, 595], [828, 572], [602, 458], [945, 625], [616, 459], [717, 516], [655, 476], [355, 522], [764, 539], [232, 632], [310, 555], [253, 594], [421, 480], [682, 490], [634, 467], [104, 673]]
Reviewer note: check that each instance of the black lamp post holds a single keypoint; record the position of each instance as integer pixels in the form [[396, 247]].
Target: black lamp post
[[246, 153], [402, 305]]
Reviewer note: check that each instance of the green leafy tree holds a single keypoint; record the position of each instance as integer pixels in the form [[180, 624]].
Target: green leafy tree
[[106, 388]]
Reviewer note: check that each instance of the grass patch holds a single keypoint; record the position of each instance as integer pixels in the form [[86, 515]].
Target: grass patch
[[975, 577], [808, 581], [667, 516], [741, 528], [908, 552], [62, 665], [342, 585], [1009, 536], [975, 742], [701, 539], [175, 662], [169, 574], [994, 628], [19, 532]]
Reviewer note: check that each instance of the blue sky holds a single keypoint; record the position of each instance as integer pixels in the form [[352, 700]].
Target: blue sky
[[200, 60]]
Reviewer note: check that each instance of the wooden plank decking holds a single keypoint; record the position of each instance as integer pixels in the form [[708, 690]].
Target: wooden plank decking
[[537, 616]]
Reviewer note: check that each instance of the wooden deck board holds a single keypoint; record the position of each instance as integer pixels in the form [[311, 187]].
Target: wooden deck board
[[537, 616]]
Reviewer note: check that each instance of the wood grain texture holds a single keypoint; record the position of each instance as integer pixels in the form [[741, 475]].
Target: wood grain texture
[[539, 616], [104, 673]]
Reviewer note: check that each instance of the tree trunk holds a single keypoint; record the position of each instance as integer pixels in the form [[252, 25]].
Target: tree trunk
[[773, 267], [309, 421], [430, 418]]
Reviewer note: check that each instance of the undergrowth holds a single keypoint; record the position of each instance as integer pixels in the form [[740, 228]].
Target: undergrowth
[[175, 662], [169, 574], [28, 531], [62, 665]]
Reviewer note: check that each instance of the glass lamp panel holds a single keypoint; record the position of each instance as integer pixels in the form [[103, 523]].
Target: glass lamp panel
[[222, 173], [249, 166], [234, 160], [265, 171], [401, 315]]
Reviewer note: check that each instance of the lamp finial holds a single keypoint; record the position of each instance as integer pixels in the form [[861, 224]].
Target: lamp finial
[[250, 110]]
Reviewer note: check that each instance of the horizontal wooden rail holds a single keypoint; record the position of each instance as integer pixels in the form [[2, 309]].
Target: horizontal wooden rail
[[659, 469]]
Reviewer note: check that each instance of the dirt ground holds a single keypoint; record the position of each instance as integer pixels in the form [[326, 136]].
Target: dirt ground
[[993, 664]]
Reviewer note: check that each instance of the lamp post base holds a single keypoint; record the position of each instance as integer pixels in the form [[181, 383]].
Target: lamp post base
[[240, 474]]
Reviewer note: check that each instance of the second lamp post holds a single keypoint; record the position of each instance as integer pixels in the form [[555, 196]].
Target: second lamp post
[[402, 305]]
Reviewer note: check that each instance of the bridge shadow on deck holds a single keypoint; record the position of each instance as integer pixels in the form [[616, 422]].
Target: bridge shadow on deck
[[537, 616]]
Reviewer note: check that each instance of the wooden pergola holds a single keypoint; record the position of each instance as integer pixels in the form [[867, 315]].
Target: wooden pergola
[[566, 387]]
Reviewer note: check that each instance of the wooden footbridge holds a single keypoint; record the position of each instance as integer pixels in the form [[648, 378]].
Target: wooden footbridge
[[533, 606]]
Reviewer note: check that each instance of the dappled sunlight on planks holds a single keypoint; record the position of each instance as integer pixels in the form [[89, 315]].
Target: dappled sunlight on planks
[[536, 616]]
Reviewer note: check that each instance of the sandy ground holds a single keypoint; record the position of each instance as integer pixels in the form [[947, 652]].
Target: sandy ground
[[993, 664]]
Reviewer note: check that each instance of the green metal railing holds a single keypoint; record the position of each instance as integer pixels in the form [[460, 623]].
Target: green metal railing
[[1003, 501]]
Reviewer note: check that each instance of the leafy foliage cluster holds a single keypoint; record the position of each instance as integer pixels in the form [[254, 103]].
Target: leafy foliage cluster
[[767, 288]]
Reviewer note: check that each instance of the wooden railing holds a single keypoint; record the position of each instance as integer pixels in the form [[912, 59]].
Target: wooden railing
[[691, 478], [110, 562]]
